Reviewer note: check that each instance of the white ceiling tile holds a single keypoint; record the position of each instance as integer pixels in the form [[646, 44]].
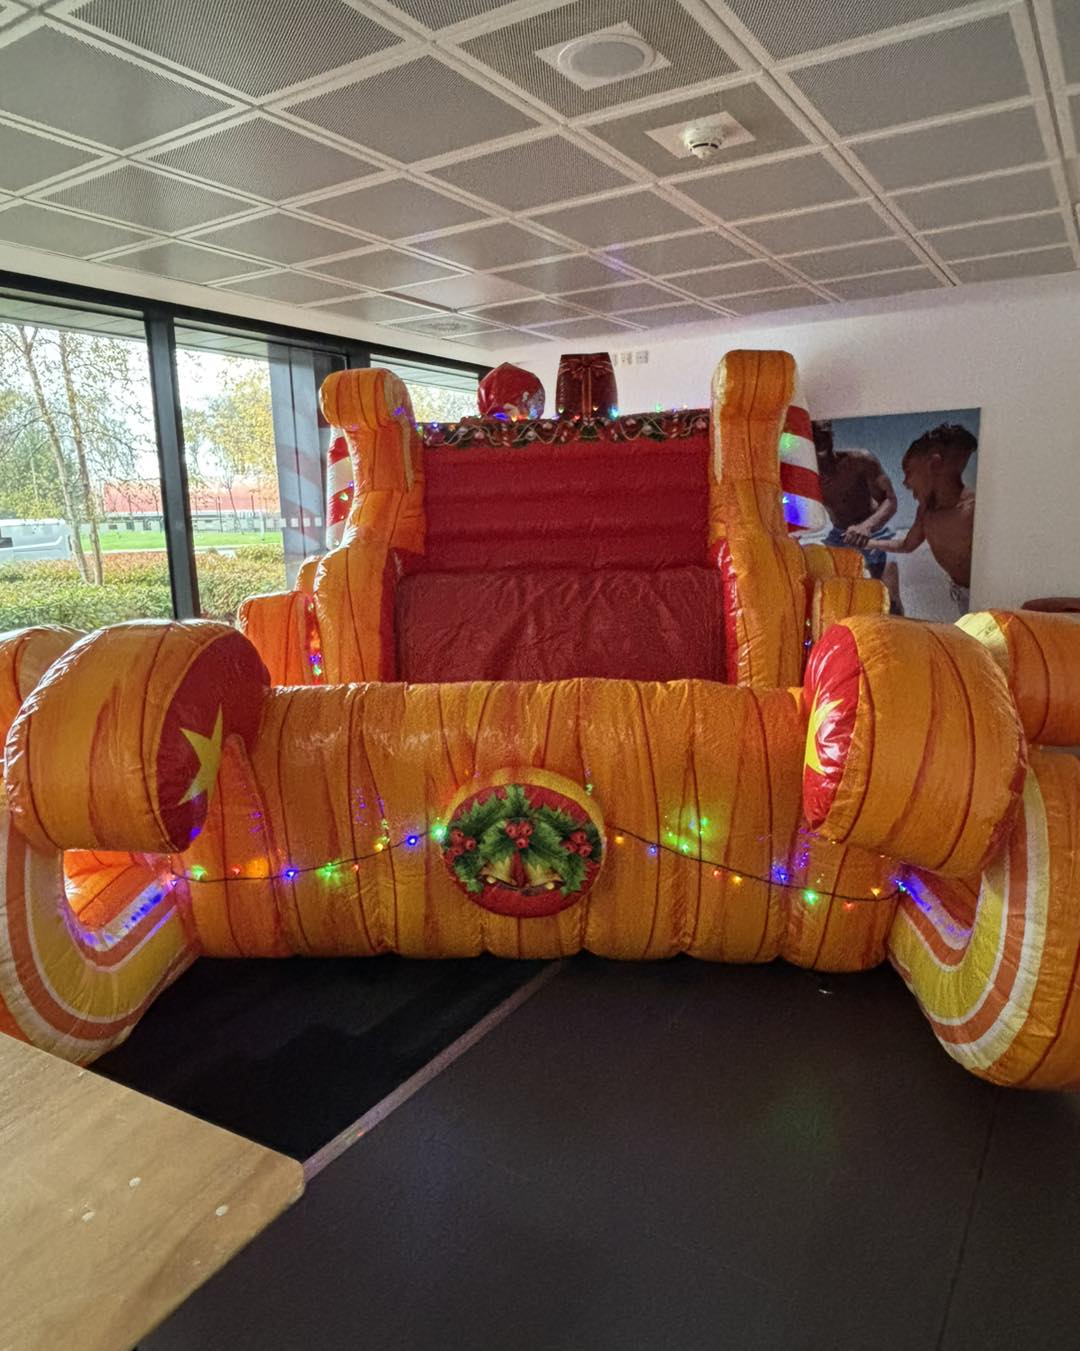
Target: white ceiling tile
[[510, 49], [1006, 236], [447, 326], [140, 196], [617, 220], [280, 238], [748, 104], [881, 256], [442, 13], [817, 229], [468, 291], [395, 209], [786, 28], [767, 189], [564, 274], [266, 159], [533, 174], [414, 111], [185, 262], [981, 199], [670, 315], [794, 297], [58, 232], [974, 145], [386, 269], [292, 288], [488, 246], [26, 158], [633, 295], [886, 284], [926, 76], [1067, 17], [502, 339], [255, 46], [62, 81], [377, 309], [681, 253], [573, 329], [729, 281], [541, 311], [1040, 263]]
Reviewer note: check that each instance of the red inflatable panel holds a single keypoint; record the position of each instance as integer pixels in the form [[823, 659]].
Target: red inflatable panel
[[633, 505], [556, 625]]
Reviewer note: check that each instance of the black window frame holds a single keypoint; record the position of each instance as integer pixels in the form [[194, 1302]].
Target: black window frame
[[160, 320]]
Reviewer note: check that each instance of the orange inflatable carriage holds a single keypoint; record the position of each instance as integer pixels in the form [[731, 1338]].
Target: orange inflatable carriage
[[705, 737]]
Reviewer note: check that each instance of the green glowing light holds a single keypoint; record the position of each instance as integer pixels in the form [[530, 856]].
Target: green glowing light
[[684, 847], [810, 897], [198, 873], [438, 834]]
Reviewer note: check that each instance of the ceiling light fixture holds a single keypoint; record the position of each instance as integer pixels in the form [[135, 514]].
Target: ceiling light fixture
[[597, 59]]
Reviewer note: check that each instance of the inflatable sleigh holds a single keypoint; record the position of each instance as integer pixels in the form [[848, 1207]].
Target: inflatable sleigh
[[561, 686]]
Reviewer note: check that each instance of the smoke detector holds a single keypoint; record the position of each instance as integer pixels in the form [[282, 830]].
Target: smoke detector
[[704, 143], [604, 57]]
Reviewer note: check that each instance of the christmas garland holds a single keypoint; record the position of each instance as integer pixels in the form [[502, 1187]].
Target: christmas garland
[[673, 425], [505, 839]]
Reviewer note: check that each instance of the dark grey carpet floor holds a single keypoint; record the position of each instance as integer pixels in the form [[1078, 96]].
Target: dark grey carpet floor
[[680, 1157]]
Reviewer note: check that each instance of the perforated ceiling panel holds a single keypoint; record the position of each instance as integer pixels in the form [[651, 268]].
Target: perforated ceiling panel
[[532, 174], [26, 158], [447, 326], [749, 105], [885, 255], [297, 150], [974, 145], [923, 77], [294, 288], [382, 111], [732, 281], [632, 295], [394, 210], [497, 245], [786, 185], [681, 253], [185, 262], [617, 220], [1067, 14], [693, 55], [1004, 268], [266, 159], [1003, 236], [256, 46], [886, 284], [141, 197], [788, 27], [442, 13], [983, 199], [817, 229], [96, 93], [60, 233], [281, 238]]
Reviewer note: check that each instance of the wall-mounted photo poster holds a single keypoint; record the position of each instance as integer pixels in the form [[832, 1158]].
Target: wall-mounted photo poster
[[901, 489]]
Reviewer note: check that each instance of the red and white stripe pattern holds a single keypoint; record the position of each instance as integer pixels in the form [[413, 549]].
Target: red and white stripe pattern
[[340, 490], [800, 485]]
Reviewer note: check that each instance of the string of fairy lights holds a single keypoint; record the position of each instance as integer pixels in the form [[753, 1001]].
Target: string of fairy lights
[[780, 875]]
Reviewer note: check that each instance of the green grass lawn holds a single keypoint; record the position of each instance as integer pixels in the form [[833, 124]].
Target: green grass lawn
[[113, 541]]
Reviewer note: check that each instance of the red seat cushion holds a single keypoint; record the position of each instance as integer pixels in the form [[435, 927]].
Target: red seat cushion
[[558, 624]]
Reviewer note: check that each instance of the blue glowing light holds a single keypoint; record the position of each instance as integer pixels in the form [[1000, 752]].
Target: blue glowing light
[[290, 873], [652, 851], [412, 841]]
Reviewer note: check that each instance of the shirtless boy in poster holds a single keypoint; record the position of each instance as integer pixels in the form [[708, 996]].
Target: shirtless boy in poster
[[934, 474], [860, 499]]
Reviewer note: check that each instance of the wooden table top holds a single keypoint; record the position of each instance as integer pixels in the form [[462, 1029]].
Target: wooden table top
[[114, 1207]]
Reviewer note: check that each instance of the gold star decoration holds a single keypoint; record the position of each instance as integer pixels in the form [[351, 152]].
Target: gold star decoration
[[208, 752]]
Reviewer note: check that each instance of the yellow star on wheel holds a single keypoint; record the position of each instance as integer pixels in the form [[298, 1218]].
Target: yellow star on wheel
[[820, 714], [208, 752]]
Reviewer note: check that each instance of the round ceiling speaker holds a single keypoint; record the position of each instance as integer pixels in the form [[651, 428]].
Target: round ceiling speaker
[[606, 56]]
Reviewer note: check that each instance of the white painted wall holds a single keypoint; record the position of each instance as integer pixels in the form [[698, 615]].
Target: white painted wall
[[1012, 350]]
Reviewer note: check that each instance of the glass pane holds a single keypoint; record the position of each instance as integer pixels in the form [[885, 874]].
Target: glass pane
[[438, 393], [80, 542], [255, 454]]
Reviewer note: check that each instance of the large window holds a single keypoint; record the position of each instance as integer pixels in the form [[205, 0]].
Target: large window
[[255, 460], [438, 393], [156, 460], [76, 432]]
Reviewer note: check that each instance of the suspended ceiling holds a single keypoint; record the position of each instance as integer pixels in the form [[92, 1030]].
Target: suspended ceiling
[[417, 165]]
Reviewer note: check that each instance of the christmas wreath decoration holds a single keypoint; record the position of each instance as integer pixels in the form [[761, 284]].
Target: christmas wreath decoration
[[523, 849]]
